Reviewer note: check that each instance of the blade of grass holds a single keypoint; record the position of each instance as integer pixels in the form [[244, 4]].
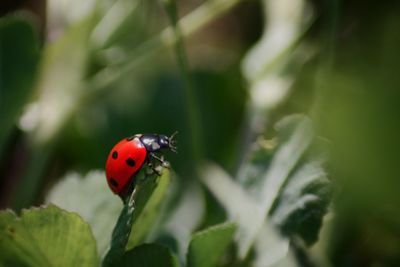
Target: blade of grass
[[191, 104], [189, 24]]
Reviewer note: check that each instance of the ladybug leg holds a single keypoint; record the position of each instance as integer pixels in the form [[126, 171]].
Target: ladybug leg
[[154, 169], [164, 163], [149, 171]]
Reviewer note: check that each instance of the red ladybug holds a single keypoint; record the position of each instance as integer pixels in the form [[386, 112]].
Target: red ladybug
[[128, 157]]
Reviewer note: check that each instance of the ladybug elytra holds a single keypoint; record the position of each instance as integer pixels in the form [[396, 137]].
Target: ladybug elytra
[[128, 157]]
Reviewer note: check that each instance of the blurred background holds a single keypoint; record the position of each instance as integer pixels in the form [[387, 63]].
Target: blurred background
[[78, 76]]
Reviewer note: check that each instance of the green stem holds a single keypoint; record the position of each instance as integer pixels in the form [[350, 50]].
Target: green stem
[[121, 232], [191, 104], [326, 62]]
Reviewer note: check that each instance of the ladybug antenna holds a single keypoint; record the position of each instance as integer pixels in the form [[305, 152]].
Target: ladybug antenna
[[173, 142]]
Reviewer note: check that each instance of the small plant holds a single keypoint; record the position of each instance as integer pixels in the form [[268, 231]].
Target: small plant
[[288, 133]]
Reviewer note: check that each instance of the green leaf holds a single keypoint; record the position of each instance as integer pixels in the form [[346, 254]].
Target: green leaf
[[240, 206], [6, 217], [303, 199], [17, 245], [148, 204], [272, 250], [303, 202], [207, 246], [186, 217], [291, 188], [137, 215], [100, 207], [63, 237], [19, 54], [149, 255], [257, 163], [46, 236], [250, 209]]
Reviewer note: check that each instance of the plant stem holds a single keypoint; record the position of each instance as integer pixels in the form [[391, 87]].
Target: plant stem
[[121, 232], [191, 104], [326, 62]]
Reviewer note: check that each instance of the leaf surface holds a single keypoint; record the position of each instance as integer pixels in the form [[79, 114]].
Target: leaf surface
[[90, 197], [207, 246], [290, 191], [149, 255], [46, 236]]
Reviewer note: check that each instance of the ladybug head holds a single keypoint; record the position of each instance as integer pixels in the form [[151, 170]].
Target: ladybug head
[[168, 142]]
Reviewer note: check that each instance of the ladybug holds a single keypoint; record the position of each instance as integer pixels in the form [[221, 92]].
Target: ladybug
[[129, 156]]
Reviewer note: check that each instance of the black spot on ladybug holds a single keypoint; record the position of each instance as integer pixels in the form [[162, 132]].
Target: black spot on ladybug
[[129, 138], [115, 155], [130, 162], [113, 182]]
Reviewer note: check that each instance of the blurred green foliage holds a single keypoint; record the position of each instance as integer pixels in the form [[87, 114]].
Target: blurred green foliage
[[203, 252], [19, 58], [46, 237], [104, 70]]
